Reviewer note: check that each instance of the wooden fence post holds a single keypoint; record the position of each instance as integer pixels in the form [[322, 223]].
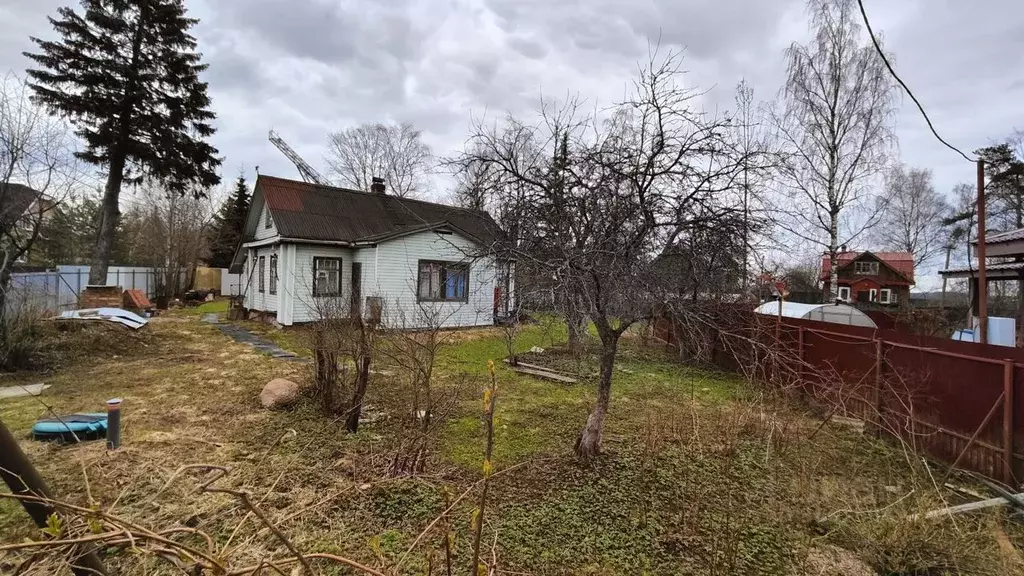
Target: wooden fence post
[[876, 417], [1008, 423]]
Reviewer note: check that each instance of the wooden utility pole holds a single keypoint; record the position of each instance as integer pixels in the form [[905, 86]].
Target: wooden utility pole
[[23, 479], [982, 282]]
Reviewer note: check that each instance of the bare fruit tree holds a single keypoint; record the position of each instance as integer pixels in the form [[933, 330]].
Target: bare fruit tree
[[833, 121], [37, 172], [394, 152], [607, 192], [912, 215]]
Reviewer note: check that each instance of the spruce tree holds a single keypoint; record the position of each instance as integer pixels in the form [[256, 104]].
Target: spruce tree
[[126, 74], [228, 225]]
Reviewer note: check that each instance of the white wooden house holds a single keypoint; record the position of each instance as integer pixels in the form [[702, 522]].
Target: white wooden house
[[312, 251]]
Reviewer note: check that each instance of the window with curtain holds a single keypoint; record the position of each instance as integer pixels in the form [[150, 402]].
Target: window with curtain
[[326, 276], [442, 282]]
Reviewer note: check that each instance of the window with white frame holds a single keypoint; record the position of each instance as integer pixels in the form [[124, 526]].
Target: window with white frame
[[326, 276], [886, 296], [266, 217], [273, 274], [873, 295], [844, 293], [865, 267], [442, 282]]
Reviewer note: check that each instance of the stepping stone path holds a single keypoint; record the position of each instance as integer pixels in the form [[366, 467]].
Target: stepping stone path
[[241, 335]]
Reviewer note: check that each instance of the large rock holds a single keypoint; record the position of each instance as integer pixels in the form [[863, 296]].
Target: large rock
[[279, 393]]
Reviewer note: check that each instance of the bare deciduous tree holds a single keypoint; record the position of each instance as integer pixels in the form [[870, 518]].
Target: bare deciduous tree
[[394, 152], [606, 194], [912, 214], [37, 172], [833, 123], [170, 233], [754, 150]]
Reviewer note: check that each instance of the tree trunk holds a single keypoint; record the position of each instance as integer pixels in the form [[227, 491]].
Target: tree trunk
[[589, 443], [23, 479], [577, 327], [833, 249], [107, 228], [362, 381]]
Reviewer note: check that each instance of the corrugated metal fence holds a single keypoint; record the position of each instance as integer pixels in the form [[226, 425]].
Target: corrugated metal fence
[[959, 402], [59, 289]]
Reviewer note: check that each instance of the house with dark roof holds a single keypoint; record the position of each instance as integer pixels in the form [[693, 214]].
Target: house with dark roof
[[877, 277], [22, 211], [311, 251]]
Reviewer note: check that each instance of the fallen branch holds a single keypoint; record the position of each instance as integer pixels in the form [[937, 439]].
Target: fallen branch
[[305, 561]]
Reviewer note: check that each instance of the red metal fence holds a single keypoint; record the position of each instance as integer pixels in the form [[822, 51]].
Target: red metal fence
[[959, 402]]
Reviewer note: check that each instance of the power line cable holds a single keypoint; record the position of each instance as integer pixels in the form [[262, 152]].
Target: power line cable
[[878, 48]]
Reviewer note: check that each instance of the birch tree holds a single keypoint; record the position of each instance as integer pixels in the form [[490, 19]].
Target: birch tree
[[833, 120]]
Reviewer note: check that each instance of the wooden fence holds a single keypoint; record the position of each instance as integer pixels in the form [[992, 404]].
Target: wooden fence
[[959, 402]]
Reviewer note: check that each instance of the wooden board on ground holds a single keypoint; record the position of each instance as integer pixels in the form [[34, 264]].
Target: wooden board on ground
[[542, 373]]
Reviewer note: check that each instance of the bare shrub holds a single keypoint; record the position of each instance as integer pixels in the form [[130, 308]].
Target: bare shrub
[[410, 340], [26, 329]]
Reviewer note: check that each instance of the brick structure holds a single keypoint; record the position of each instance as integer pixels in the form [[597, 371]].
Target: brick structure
[[100, 297]]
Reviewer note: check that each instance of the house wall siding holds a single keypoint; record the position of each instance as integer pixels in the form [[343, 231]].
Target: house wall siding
[[262, 232], [305, 307], [255, 300], [389, 271], [396, 270]]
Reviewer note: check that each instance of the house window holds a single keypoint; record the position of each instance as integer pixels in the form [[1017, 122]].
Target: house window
[[273, 274], [844, 293], [262, 268], [326, 276], [873, 295], [886, 296], [866, 268], [266, 218], [442, 282]]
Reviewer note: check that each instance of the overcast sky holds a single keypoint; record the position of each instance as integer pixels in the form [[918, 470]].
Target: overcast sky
[[306, 67]]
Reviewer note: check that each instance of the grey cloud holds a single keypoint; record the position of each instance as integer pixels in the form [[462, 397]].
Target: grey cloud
[[305, 67]]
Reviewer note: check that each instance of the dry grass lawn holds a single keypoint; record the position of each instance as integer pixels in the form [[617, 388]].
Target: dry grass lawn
[[702, 474]]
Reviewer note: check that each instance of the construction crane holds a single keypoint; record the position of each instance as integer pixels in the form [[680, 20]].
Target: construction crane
[[305, 170]]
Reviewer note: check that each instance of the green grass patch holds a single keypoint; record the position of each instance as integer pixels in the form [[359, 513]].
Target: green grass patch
[[216, 307]]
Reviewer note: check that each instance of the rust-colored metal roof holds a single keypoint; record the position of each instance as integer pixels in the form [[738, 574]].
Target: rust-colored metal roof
[[902, 262], [315, 212]]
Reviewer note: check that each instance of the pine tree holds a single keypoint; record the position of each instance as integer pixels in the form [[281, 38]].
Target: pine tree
[[228, 225], [127, 75]]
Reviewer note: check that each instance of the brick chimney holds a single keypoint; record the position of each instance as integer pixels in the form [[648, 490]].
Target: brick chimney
[[377, 185]]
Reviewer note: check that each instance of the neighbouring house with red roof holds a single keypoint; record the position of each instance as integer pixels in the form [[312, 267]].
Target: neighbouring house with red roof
[[877, 277]]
